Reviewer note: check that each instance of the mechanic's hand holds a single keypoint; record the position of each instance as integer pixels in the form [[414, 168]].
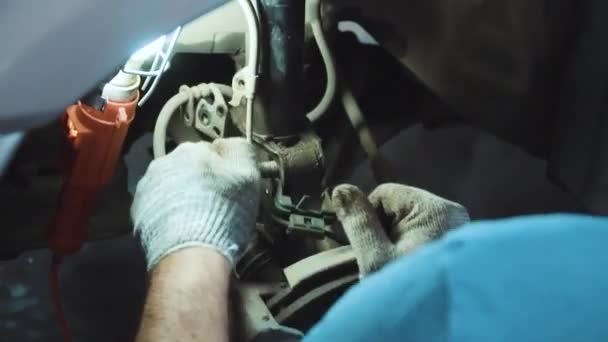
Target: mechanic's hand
[[394, 220], [201, 194]]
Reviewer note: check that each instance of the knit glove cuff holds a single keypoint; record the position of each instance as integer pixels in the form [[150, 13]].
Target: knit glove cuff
[[206, 219]]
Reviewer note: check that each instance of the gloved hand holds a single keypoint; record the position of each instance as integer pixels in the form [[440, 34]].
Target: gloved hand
[[201, 194], [411, 218]]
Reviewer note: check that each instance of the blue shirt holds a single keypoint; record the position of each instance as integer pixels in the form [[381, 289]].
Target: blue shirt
[[542, 278]]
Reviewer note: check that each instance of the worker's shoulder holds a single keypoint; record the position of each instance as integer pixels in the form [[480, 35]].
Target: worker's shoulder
[[528, 230], [527, 271], [516, 241]]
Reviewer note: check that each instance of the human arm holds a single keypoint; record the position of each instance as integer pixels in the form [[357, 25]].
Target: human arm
[[194, 211], [188, 298]]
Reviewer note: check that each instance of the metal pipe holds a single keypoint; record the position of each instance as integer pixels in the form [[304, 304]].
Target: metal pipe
[[269, 169]]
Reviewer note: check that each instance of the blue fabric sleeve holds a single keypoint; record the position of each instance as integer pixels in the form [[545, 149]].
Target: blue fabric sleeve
[[542, 278]]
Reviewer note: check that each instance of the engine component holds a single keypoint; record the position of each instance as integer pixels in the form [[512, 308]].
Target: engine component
[[314, 285], [279, 109], [298, 220], [247, 80], [186, 97], [203, 107], [210, 113], [298, 202], [310, 286]]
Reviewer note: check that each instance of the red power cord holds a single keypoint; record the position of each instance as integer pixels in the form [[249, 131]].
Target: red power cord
[[55, 294]]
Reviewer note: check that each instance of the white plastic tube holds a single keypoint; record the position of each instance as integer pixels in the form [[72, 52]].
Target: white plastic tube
[[357, 120], [314, 13]]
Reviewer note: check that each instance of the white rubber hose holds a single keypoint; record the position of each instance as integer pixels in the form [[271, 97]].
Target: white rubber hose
[[314, 13], [185, 95], [357, 120], [162, 122]]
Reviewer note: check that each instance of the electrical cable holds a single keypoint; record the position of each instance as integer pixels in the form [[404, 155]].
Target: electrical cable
[[162, 122], [357, 120], [378, 163], [56, 297], [249, 121], [314, 13], [226, 90]]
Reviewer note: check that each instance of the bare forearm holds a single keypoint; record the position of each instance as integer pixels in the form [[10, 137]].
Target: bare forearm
[[188, 298]]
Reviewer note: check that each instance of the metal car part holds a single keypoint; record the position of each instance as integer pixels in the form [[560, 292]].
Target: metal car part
[[310, 286], [253, 316], [210, 114], [279, 110], [239, 86], [298, 200]]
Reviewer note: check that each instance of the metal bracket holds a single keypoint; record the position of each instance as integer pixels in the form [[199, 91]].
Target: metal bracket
[[243, 85], [210, 114]]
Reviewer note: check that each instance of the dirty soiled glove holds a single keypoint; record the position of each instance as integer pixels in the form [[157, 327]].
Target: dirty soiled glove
[[201, 194], [394, 220]]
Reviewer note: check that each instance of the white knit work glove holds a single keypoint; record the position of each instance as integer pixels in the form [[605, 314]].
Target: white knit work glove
[[201, 194], [411, 218]]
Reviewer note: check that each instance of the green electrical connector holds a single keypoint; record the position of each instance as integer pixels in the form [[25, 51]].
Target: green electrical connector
[[311, 222], [307, 225]]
